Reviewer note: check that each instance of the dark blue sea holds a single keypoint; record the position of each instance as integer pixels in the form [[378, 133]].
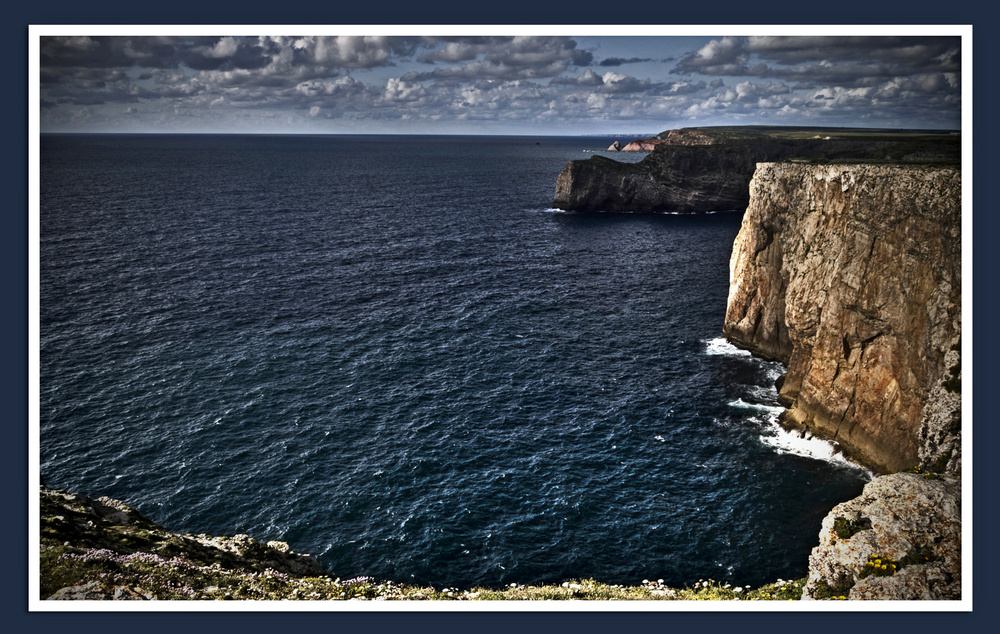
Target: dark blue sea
[[393, 354]]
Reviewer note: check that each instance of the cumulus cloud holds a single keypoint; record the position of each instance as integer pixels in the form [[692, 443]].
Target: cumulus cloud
[[610, 82], [726, 56], [399, 90], [621, 83], [814, 60], [588, 78], [507, 59]]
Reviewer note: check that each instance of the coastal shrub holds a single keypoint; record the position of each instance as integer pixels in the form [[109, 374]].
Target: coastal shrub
[[879, 566], [926, 473], [837, 591], [845, 528], [919, 555]]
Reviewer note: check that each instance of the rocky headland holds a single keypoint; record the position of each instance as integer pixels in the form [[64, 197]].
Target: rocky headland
[[847, 269], [709, 169], [850, 274]]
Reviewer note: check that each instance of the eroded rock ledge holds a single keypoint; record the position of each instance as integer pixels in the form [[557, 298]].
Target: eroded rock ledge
[[851, 275]]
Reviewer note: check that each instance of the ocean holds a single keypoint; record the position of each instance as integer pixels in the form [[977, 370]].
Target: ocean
[[393, 354]]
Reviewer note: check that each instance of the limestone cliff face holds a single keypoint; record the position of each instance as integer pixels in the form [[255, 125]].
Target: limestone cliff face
[[851, 275]]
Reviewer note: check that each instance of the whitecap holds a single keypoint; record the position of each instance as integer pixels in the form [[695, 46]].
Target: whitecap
[[721, 346], [802, 443], [741, 404]]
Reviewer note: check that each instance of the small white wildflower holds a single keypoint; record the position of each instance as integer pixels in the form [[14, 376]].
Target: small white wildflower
[[704, 584]]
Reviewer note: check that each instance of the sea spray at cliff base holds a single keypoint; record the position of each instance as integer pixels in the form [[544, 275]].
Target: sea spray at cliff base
[[763, 401], [379, 351]]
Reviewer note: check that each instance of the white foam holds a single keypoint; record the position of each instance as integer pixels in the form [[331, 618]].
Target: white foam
[[741, 404], [802, 443], [719, 345], [795, 442], [774, 369]]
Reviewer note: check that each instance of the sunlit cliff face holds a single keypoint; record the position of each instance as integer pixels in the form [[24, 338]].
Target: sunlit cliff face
[[850, 274]]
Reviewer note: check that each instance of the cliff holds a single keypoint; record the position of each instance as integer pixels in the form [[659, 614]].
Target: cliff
[[641, 145], [851, 275], [709, 169]]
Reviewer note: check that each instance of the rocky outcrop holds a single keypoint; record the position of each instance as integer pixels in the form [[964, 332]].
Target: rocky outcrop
[[641, 145], [83, 528], [615, 147], [899, 540], [680, 179], [851, 275], [709, 170]]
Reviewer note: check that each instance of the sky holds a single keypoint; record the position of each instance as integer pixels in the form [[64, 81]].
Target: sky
[[497, 83]]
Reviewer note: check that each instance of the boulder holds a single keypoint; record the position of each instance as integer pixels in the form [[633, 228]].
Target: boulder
[[899, 540]]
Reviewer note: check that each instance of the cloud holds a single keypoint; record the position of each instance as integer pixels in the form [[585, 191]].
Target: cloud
[[856, 61], [341, 88], [463, 49], [726, 56], [610, 82], [588, 78], [506, 59], [167, 81], [619, 61], [399, 90], [620, 83]]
